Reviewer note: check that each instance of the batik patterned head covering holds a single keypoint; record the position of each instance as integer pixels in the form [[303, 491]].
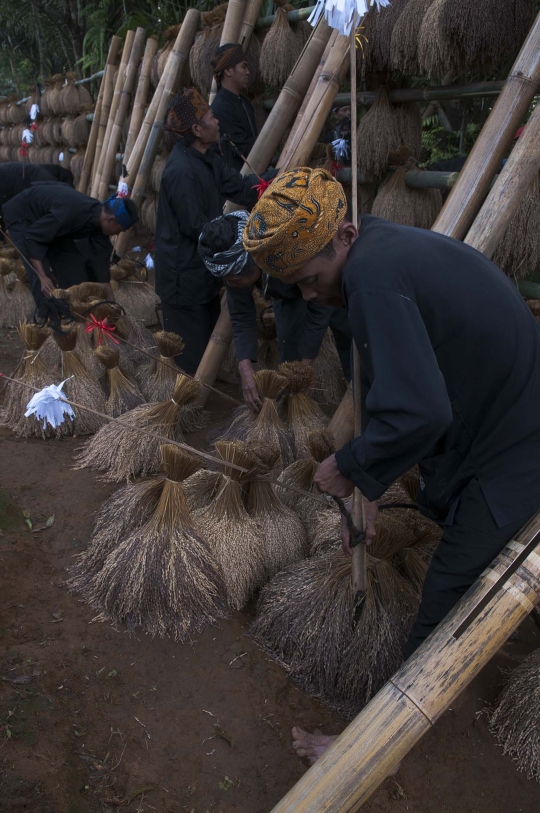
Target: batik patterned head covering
[[227, 56], [232, 261], [187, 109], [294, 220]]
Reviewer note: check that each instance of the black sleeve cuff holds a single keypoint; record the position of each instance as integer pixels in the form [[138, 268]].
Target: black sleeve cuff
[[349, 468]]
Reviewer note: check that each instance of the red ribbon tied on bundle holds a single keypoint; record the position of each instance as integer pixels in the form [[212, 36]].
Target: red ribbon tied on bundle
[[261, 187], [103, 327]]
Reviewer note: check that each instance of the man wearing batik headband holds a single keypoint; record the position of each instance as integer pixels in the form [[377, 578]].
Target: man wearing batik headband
[[194, 186], [300, 326], [450, 361], [231, 107]]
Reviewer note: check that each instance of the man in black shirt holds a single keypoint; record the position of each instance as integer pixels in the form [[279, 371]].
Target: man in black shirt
[[194, 185], [232, 109]]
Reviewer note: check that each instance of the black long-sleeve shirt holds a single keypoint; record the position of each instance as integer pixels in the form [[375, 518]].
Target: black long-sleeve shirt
[[54, 212], [16, 177], [237, 120], [450, 360], [193, 188]]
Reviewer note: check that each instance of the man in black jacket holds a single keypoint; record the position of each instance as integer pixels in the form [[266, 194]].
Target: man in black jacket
[[450, 360], [232, 109], [195, 183]]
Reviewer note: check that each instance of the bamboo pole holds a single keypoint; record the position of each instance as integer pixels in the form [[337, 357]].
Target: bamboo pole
[[145, 149], [412, 701], [341, 424], [128, 44], [494, 140], [90, 153], [108, 91], [232, 27], [248, 24], [121, 111], [294, 16], [141, 96], [505, 196], [215, 353]]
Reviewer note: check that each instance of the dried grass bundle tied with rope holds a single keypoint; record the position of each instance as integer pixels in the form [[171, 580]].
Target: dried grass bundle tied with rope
[[135, 295], [280, 49], [303, 415], [397, 202], [80, 386], [161, 576], [19, 304], [34, 372], [301, 473], [404, 38], [122, 393], [203, 49], [157, 377], [518, 252], [114, 450], [330, 383], [234, 536], [378, 136], [374, 58]]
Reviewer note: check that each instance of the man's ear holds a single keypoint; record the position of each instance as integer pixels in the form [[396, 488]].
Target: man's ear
[[347, 233], [196, 130]]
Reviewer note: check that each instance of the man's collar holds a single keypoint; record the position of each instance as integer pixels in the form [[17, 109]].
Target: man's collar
[[230, 93]]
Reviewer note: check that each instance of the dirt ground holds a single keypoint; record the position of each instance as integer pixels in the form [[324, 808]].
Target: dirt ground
[[93, 721]]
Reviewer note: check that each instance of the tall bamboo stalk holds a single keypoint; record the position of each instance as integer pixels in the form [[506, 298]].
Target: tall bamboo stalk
[[121, 111], [141, 96], [108, 91], [231, 32], [341, 425], [215, 352], [90, 153], [128, 44], [494, 140], [248, 24]]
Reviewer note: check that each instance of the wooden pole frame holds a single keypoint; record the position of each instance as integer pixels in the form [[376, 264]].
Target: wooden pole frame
[[108, 79], [232, 27], [141, 96]]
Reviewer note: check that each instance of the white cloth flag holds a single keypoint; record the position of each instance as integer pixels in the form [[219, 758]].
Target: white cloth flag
[[342, 14], [47, 406]]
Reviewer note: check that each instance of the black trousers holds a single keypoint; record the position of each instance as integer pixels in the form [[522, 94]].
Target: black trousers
[[194, 323], [468, 545]]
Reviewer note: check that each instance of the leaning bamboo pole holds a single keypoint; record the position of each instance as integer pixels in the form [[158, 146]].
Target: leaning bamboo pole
[[121, 112], [108, 92], [141, 96], [412, 701], [140, 166], [505, 196], [232, 27], [128, 44], [215, 353], [91, 154], [341, 425], [248, 23], [494, 140]]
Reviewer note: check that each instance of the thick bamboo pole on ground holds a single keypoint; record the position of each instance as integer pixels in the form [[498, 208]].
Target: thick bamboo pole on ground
[[505, 196], [425, 686], [215, 353], [495, 138], [128, 44], [248, 23], [108, 92], [232, 27], [141, 96], [140, 165], [90, 153], [341, 424], [121, 112]]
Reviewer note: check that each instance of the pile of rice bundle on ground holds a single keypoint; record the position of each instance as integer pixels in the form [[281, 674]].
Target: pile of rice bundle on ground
[[300, 474], [303, 415], [404, 41], [122, 393], [516, 718], [280, 49], [157, 377], [376, 37], [162, 576], [34, 372], [266, 427], [18, 305], [234, 537], [80, 387], [135, 295], [518, 252], [123, 453], [397, 202], [203, 49], [330, 383], [139, 337], [378, 136]]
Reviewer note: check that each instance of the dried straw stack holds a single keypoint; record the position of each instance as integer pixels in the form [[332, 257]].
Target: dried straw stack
[[234, 536], [19, 304], [301, 473], [79, 387], [122, 393], [515, 721], [376, 32], [122, 453], [518, 252], [157, 377], [303, 415], [161, 576], [404, 40], [205, 46], [378, 136], [280, 49], [396, 202], [34, 372], [330, 383], [136, 296]]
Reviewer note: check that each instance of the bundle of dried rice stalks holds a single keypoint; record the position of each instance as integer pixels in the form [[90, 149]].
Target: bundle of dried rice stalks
[[160, 59], [409, 120], [122, 453], [18, 305], [138, 336], [135, 295], [378, 136], [122, 393], [330, 383], [376, 33], [303, 415], [518, 253], [234, 536], [404, 39], [162, 576], [203, 49], [268, 350], [266, 427], [34, 372], [69, 96], [300, 474], [79, 386], [396, 202], [516, 718], [157, 378], [280, 49]]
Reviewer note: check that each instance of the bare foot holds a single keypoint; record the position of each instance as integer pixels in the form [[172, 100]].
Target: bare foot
[[310, 746]]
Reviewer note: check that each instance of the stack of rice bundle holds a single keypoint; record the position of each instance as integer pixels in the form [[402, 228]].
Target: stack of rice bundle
[[76, 165], [376, 37], [55, 99], [157, 377], [518, 252], [205, 46], [301, 473], [303, 415], [159, 61], [135, 295], [404, 41], [76, 129], [138, 336], [80, 387], [18, 305], [157, 172], [122, 453], [160, 574], [122, 392], [330, 383], [69, 96], [280, 49], [397, 202], [149, 212], [378, 136]]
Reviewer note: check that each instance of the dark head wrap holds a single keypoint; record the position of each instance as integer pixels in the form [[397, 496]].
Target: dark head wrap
[[227, 56], [227, 262], [118, 208], [187, 109]]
